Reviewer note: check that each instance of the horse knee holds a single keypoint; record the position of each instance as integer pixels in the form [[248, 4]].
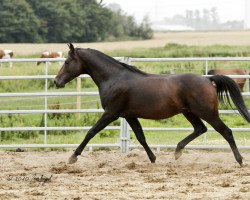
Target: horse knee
[[90, 135], [201, 129], [229, 135], [229, 132]]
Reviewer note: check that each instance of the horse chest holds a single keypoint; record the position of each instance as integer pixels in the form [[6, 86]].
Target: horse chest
[[112, 98]]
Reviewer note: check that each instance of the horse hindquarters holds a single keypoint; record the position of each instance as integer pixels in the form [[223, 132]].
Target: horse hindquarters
[[224, 86], [203, 103]]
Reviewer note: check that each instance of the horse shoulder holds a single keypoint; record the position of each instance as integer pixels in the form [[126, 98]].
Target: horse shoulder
[[114, 97], [112, 89]]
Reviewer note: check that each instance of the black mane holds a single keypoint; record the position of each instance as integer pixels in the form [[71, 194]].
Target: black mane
[[129, 67]]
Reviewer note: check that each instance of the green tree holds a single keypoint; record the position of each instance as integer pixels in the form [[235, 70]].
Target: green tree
[[54, 18], [18, 22], [145, 31], [72, 20], [97, 20], [65, 21]]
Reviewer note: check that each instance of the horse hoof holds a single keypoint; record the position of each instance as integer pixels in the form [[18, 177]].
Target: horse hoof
[[242, 164], [153, 159], [240, 161], [72, 159], [178, 154]]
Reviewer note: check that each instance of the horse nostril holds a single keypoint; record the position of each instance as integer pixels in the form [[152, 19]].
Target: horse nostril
[[55, 83]]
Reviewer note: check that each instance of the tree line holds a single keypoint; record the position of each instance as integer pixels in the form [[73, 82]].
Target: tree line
[[35, 21]]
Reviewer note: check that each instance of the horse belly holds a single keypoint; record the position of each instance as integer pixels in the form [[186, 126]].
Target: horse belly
[[153, 106], [150, 113]]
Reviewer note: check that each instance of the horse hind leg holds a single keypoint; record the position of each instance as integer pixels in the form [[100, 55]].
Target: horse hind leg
[[199, 128], [226, 133]]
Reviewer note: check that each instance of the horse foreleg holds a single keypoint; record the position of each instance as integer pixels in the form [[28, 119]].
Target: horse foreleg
[[105, 120], [136, 127], [199, 128]]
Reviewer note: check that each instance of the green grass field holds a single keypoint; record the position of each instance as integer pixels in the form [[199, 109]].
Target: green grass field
[[71, 119]]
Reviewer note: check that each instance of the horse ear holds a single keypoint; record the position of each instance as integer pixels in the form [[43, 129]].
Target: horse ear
[[71, 48]]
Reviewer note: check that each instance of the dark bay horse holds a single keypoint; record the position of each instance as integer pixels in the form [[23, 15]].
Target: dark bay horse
[[127, 92], [234, 71]]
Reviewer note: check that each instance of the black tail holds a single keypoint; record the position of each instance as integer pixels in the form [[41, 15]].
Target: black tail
[[227, 85]]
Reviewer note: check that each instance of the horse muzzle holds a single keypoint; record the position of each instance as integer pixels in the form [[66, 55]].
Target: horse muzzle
[[59, 84]]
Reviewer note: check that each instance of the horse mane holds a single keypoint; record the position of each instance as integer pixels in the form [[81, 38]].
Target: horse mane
[[129, 67]]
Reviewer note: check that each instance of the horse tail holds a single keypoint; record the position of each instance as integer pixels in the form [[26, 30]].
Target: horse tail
[[225, 87]]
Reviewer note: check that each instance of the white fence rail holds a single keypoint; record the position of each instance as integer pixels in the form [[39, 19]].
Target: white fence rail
[[124, 143]]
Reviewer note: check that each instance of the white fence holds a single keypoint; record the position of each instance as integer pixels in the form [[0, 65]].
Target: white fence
[[124, 143]]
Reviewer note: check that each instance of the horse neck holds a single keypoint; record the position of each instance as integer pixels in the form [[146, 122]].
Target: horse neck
[[103, 71]]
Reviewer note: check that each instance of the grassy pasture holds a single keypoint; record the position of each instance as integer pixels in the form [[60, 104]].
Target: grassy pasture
[[169, 50]]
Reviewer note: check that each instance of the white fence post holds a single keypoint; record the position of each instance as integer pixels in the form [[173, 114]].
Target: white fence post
[[205, 134], [46, 104], [125, 135], [247, 81], [206, 67], [78, 97]]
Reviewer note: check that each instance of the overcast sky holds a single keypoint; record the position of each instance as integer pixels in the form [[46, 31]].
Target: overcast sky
[[159, 9]]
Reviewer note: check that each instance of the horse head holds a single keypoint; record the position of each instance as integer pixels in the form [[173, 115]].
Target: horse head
[[71, 68]]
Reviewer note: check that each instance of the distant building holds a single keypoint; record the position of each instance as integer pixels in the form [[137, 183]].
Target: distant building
[[164, 27], [247, 15]]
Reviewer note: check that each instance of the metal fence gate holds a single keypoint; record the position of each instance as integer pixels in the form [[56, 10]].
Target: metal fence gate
[[124, 141]]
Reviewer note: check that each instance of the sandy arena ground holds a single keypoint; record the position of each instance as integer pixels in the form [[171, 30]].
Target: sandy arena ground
[[113, 175]]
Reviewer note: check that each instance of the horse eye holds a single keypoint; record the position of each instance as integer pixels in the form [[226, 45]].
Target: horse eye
[[66, 62]]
